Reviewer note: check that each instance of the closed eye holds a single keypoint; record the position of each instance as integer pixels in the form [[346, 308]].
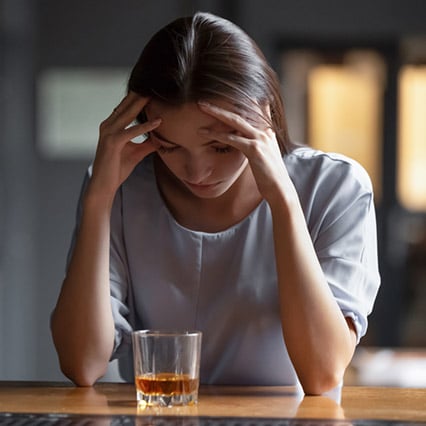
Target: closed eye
[[163, 146], [167, 147], [223, 149]]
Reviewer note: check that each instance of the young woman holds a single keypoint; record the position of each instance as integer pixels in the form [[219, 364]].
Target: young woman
[[217, 222]]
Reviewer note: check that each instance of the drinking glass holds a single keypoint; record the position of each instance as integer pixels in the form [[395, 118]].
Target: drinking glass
[[167, 366]]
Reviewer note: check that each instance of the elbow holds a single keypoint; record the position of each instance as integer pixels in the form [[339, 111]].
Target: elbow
[[84, 365], [320, 383], [83, 376], [82, 370]]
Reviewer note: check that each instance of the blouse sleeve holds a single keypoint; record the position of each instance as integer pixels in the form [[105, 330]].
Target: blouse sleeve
[[119, 281], [342, 223]]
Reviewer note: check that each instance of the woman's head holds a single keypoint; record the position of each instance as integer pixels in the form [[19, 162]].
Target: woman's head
[[204, 57]]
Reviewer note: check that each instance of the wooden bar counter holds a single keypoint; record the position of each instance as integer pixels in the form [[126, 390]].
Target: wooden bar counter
[[112, 399]]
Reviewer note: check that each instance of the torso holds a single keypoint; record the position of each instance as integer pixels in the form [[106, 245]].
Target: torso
[[165, 274]]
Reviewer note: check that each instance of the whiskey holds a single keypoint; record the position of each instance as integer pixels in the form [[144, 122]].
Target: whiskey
[[166, 366], [166, 384]]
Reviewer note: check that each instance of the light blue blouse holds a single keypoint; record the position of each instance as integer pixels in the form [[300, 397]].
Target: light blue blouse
[[165, 276]]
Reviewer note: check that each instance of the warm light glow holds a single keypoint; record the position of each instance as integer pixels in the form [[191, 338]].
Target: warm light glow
[[411, 181], [345, 115]]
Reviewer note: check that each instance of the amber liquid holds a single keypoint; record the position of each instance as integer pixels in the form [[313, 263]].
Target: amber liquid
[[166, 384]]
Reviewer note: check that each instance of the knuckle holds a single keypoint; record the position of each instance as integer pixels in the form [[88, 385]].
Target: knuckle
[[104, 125], [255, 147], [108, 139], [237, 120]]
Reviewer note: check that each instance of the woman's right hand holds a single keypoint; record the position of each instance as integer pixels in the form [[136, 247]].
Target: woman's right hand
[[116, 154]]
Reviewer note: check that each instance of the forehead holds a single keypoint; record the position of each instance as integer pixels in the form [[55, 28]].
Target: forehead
[[187, 114], [180, 124]]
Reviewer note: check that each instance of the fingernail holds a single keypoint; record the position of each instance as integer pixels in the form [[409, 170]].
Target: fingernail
[[156, 121]]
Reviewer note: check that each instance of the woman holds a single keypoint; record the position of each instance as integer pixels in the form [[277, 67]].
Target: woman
[[217, 222]]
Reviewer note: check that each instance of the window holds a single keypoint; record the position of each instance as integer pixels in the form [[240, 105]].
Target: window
[[335, 103], [72, 102]]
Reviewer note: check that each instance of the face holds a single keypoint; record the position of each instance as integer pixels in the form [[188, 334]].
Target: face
[[207, 168]]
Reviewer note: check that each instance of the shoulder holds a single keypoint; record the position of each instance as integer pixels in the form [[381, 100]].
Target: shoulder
[[312, 168], [329, 186]]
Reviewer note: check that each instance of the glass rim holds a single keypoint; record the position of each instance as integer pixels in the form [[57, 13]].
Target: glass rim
[[167, 333]]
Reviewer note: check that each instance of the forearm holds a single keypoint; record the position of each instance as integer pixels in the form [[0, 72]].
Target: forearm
[[82, 323], [319, 341]]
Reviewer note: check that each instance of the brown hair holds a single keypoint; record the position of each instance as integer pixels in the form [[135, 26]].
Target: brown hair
[[203, 57]]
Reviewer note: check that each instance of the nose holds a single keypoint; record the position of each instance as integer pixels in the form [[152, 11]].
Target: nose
[[197, 169]]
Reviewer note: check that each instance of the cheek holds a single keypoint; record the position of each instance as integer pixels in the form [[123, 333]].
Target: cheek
[[169, 160], [232, 163], [174, 162]]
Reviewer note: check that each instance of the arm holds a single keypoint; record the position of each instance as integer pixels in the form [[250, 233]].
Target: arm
[[82, 323], [319, 339]]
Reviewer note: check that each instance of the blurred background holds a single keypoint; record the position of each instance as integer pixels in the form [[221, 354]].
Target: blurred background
[[353, 79]]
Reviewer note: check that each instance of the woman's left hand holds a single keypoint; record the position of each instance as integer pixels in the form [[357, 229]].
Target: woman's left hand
[[257, 142]]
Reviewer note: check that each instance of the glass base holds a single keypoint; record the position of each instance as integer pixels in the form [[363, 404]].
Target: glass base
[[156, 400]]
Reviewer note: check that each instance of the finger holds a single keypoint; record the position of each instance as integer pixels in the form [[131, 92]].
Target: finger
[[126, 111], [130, 133], [140, 151], [129, 113], [137, 130], [229, 118], [123, 104]]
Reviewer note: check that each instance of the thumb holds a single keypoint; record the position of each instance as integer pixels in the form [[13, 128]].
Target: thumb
[[141, 150]]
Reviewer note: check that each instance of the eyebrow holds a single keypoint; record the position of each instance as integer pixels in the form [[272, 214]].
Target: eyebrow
[[157, 135]]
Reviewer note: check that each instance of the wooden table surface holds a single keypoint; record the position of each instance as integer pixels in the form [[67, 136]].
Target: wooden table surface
[[217, 401]]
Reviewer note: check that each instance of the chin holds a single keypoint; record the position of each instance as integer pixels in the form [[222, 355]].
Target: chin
[[207, 192]]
